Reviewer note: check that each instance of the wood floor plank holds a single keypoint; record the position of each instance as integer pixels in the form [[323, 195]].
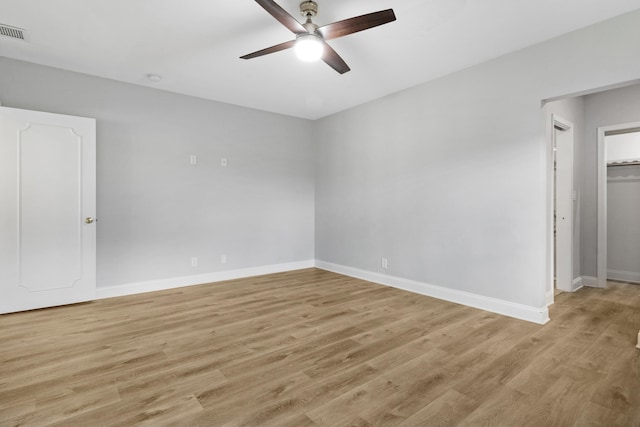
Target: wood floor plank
[[447, 410], [560, 405], [503, 407], [619, 389], [313, 348]]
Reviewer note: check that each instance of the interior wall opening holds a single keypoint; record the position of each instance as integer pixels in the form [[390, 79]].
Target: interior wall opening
[[591, 111], [619, 203]]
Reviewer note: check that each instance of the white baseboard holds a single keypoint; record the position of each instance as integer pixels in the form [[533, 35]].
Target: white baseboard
[[550, 297], [577, 284], [590, 281], [519, 311], [623, 276], [179, 282]]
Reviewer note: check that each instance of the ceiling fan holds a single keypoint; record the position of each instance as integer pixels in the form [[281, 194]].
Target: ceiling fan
[[310, 42]]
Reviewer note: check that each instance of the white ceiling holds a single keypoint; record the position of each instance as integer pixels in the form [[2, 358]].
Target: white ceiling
[[195, 44]]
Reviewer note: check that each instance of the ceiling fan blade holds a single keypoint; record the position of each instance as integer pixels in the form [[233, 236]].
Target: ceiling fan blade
[[334, 60], [268, 50], [282, 16], [359, 23]]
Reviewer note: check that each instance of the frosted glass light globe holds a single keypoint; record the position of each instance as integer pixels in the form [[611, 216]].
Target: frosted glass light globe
[[309, 47]]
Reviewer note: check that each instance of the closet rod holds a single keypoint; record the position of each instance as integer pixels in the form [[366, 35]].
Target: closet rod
[[612, 165]]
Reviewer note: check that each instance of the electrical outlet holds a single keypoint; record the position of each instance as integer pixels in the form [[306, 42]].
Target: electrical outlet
[[223, 259], [384, 263], [193, 160], [194, 261], [223, 162]]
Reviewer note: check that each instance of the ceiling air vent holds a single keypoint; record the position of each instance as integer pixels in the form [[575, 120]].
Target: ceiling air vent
[[13, 32]]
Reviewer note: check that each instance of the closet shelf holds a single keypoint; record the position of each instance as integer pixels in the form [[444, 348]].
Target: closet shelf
[[631, 162]]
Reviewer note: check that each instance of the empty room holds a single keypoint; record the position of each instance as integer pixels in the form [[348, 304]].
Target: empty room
[[320, 213]]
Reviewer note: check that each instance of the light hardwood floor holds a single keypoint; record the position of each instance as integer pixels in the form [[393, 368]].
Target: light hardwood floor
[[313, 348]]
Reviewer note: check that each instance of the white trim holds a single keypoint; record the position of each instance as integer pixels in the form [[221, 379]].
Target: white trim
[[624, 276], [577, 284], [590, 281], [602, 211], [564, 255], [549, 154], [552, 121], [178, 282], [519, 311], [602, 198], [550, 297]]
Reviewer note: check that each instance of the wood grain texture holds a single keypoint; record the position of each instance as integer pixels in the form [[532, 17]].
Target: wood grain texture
[[282, 16], [314, 348], [356, 24]]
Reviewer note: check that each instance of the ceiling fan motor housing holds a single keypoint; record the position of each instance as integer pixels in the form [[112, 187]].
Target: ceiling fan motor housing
[[309, 9]]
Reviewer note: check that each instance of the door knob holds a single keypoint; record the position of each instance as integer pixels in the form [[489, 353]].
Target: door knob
[[89, 220]]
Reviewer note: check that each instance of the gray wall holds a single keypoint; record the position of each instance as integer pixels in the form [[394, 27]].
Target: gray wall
[[623, 222], [448, 179], [601, 109], [155, 210]]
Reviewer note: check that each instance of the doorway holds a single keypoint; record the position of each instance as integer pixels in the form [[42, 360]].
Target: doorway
[[608, 157], [562, 205]]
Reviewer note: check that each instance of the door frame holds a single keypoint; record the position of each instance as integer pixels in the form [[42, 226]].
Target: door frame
[[603, 132], [554, 121], [562, 125], [17, 296]]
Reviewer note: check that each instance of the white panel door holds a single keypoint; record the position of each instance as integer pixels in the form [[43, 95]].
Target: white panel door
[[47, 209], [564, 206]]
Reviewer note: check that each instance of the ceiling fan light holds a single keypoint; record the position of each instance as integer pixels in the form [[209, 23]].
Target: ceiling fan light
[[309, 47]]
